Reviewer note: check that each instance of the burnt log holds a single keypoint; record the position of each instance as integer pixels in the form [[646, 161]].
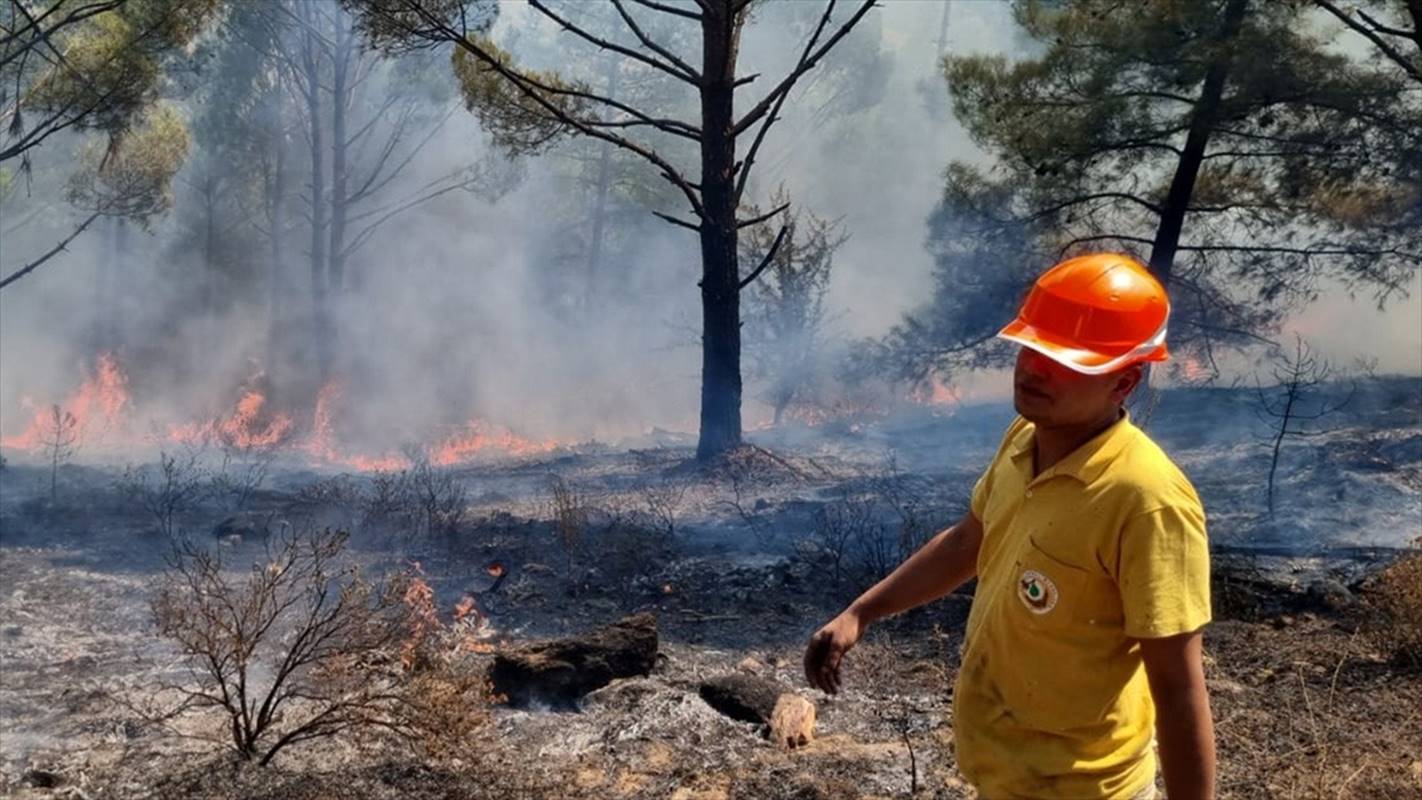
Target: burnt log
[[558, 673], [788, 719]]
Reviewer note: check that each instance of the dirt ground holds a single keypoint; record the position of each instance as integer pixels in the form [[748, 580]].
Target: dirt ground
[[1307, 702]]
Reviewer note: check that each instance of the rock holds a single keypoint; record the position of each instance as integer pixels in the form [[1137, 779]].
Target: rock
[[1221, 686], [1330, 594], [788, 718], [792, 722], [751, 665], [558, 673], [239, 527]]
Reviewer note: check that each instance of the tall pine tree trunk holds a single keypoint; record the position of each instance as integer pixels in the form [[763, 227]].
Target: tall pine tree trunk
[[1203, 120], [340, 205], [604, 186], [720, 274], [276, 214], [320, 304]]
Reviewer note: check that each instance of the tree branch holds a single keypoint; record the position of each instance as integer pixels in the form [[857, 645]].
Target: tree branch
[[762, 218], [677, 69], [678, 221], [765, 262], [680, 12], [807, 61], [25, 270]]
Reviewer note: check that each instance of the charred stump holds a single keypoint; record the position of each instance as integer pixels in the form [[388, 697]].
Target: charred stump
[[787, 718], [558, 673]]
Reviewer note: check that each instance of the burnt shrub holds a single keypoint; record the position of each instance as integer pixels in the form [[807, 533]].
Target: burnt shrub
[[1395, 594], [301, 646]]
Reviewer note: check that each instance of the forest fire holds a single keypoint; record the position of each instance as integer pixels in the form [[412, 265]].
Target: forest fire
[[246, 428], [99, 405], [105, 412]]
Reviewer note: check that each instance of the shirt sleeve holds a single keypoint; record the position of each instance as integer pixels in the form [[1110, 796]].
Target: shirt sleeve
[[1164, 572], [980, 493]]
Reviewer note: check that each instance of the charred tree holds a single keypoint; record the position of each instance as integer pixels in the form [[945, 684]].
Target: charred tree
[[526, 108], [1292, 403], [61, 437]]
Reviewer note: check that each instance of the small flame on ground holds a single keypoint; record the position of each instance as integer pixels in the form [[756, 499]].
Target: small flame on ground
[[477, 437]]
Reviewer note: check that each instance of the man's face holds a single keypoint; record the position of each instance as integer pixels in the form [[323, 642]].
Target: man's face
[[1051, 395]]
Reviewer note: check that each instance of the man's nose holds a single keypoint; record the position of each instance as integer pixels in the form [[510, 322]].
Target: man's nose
[[1035, 364]]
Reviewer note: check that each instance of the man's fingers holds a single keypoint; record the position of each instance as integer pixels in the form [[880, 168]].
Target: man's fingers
[[815, 655], [832, 668]]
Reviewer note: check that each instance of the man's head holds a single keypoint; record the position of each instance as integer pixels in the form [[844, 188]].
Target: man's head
[[1086, 329], [1052, 395]]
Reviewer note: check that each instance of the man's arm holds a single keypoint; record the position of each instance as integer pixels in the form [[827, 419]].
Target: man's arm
[[946, 562], [1183, 727]]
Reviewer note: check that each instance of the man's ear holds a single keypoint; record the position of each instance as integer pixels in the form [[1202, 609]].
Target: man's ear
[[1126, 382]]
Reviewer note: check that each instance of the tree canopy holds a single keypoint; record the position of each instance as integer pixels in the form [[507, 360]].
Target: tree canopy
[[1236, 145]]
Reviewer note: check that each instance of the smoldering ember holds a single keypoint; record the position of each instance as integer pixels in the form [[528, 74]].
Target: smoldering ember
[[710, 399]]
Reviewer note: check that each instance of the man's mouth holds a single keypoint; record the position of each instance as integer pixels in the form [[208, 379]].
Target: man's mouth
[[1034, 393]]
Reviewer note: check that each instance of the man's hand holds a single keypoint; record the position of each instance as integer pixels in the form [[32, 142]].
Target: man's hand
[[939, 567], [827, 649]]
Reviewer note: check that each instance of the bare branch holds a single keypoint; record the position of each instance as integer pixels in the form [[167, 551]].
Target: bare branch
[[678, 221], [807, 61], [765, 262], [762, 218], [56, 250], [677, 69], [663, 7]]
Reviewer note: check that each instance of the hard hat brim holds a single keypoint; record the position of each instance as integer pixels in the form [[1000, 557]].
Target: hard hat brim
[[1087, 362]]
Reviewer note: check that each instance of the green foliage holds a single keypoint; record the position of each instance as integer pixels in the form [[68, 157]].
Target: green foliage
[[516, 120], [1309, 167], [93, 71], [133, 176]]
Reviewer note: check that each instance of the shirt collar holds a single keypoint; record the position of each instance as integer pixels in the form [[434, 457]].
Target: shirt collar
[[1085, 463]]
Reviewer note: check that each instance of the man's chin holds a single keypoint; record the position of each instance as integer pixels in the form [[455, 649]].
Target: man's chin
[[1030, 409]]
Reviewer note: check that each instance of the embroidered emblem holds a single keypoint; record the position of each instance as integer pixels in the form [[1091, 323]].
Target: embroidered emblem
[[1037, 592]]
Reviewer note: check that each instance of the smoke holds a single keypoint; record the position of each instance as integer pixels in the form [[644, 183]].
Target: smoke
[[479, 307]]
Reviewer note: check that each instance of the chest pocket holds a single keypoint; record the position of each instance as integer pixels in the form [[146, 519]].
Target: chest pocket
[[1048, 592]]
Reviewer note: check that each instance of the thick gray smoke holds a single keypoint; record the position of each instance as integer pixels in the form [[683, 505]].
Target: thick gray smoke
[[470, 308]]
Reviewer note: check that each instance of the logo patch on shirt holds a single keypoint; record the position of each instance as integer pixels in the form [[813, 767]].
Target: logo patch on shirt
[[1037, 592]]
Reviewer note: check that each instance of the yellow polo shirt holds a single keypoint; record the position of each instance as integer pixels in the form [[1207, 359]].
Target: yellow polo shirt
[[1106, 547]]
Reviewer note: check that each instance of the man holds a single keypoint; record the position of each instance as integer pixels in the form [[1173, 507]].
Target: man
[[1083, 648]]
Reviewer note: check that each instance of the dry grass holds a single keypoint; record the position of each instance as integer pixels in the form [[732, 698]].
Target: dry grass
[[1396, 594]]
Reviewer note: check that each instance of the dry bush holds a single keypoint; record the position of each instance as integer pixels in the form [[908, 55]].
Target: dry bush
[[1396, 594], [330, 502], [632, 546], [846, 537], [662, 502], [569, 511], [168, 490], [438, 497], [240, 473], [302, 647]]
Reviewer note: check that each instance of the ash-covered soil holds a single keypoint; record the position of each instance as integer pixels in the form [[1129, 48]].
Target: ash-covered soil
[[740, 562]]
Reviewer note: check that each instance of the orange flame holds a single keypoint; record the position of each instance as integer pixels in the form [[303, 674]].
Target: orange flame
[[478, 436], [98, 405], [936, 393], [242, 429]]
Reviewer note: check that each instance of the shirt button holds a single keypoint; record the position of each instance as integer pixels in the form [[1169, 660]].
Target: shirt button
[[1029, 492]]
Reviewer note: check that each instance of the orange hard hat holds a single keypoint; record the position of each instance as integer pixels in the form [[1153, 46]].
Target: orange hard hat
[[1094, 314]]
